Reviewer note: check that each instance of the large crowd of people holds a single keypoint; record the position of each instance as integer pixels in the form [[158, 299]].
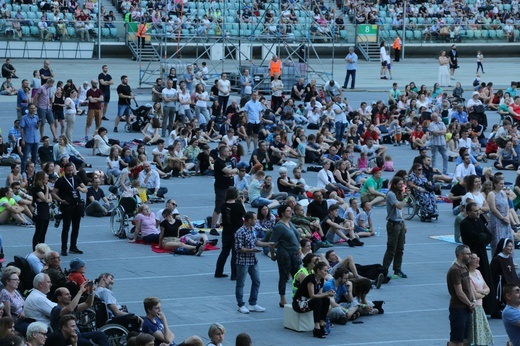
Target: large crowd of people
[[194, 137]]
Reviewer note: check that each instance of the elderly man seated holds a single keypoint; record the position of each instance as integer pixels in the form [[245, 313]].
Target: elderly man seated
[[54, 270], [37, 305]]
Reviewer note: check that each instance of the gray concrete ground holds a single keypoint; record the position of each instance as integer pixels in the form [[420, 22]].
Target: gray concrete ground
[[416, 308]]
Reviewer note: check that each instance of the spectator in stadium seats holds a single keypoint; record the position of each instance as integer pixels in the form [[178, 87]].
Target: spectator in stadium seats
[[44, 30]]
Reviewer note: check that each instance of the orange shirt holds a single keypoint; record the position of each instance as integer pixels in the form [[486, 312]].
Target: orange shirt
[[141, 30], [397, 43], [275, 67]]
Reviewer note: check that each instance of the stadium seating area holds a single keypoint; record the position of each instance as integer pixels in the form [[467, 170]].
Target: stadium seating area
[[460, 22], [26, 22]]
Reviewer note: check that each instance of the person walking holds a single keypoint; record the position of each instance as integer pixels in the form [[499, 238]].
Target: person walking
[[397, 48], [384, 60], [462, 297], [454, 61], [67, 191], [351, 60], [438, 141], [480, 58], [246, 247], [395, 227]]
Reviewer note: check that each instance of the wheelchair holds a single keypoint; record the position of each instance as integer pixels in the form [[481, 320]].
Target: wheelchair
[[412, 208], [120, 219], [116, 329]]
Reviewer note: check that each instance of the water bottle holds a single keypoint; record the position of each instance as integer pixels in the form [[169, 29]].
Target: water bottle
[[327, 326], [378, 231]]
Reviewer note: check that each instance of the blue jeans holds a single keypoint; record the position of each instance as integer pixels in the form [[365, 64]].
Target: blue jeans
[[340, 130], [254, 273], [444, 154], [29, 147]]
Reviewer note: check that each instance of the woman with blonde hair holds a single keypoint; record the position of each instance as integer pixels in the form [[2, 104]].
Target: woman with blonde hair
[[216, 333]]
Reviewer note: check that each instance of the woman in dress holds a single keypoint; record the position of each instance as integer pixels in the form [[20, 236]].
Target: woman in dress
[[503, 272], [499, 213], [480, 330], [310, 297], [41, 198], [423, 191], [233, 211], [287, 239], [444, 72]]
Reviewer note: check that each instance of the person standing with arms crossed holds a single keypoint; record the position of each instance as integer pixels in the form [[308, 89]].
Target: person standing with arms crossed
[[438, 141], [105, 81], [351, 60], [462, 297], [395, 227]]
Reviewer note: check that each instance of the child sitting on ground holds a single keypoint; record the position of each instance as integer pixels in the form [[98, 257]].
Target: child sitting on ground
[[362, 162], [388, 165]]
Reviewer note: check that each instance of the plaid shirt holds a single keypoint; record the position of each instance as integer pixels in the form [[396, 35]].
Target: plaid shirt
[[245, 238]]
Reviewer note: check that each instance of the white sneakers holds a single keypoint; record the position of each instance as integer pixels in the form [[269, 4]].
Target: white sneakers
[[254, 308], [243, 310]]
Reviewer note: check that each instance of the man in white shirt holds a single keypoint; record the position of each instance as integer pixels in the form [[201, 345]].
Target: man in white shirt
[[169, 96], [149, 179], [464, 169], [37, 306], [332, 89]]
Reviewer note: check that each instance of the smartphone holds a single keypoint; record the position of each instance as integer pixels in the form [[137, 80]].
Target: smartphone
[[90, 284]]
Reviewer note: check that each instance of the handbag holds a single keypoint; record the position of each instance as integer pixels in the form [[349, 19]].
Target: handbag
[[479, 109], [303, 304]]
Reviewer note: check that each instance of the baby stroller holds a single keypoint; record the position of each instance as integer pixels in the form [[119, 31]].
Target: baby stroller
[[141, 114]]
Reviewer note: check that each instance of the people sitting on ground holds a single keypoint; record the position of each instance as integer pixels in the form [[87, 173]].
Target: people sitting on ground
[[371, 190], [343, 307], [145, 226], [97, 204], [336, 228], [10, 210], [173, 237], [150, 180], [310, 226], [363, 221], [255, 189]]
